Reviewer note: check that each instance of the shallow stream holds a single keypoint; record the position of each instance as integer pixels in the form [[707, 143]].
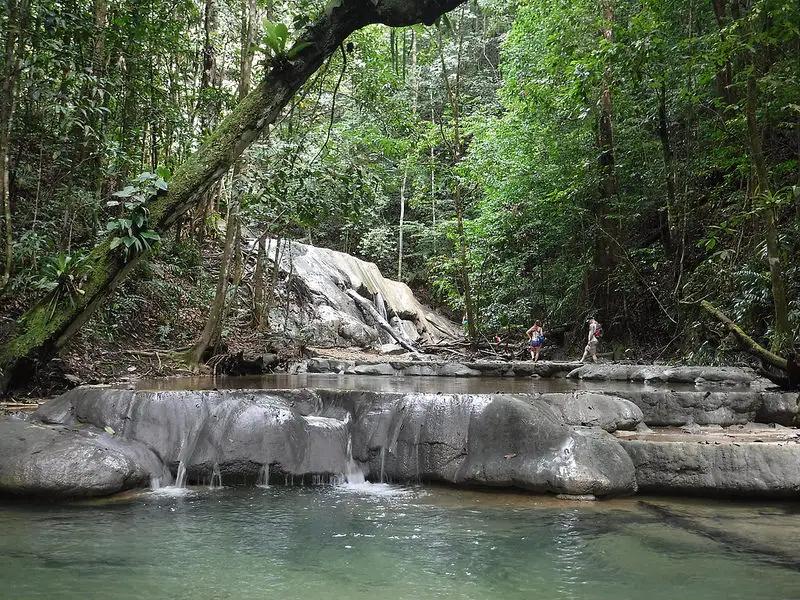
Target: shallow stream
[[405, 384], [384, 541]]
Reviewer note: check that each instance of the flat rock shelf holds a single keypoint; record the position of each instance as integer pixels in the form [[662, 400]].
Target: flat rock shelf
[[719, 433]]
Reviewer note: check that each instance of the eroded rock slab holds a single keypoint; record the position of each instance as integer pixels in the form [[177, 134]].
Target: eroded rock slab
[[665, 374], [61, 462], [498, 440], [737, 462], [592, 409], [320, 308], [233, 435]]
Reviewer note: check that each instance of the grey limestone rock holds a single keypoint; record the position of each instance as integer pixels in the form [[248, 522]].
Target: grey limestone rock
[[456, 370], [664, 407], [692, 467], [62, 463], [321, 309], [595, 410], [664, 373], [374, 369], [497, 440]]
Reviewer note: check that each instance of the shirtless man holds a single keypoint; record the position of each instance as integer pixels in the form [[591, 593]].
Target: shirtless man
[[591, 343]]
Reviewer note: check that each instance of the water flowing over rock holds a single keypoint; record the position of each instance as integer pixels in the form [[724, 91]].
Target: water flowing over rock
[[498, 440], [243, 436], [320, 309]]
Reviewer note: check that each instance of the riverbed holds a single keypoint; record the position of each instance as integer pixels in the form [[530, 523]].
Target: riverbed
[[389, 541]]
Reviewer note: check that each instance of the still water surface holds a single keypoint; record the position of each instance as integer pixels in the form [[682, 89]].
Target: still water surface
[[404, 384], [381, 541]]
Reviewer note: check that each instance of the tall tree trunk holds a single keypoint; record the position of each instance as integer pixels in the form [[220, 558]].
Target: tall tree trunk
[[414, 94], [604, 260], [259, 318], [231, 254], [724, 76], [17, 20], [669, 227], [454, 99], [212, 331], [39, 334], [783, 335], [402, 219]]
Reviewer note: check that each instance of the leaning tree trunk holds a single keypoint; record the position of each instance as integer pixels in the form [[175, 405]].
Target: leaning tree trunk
[[748, 343], [38, 335]]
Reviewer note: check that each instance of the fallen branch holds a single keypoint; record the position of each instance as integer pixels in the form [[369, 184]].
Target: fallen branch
[[366, 307], [749, 344]]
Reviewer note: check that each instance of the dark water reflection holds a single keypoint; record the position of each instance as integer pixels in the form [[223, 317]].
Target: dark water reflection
[[404, 384], [381, 541]]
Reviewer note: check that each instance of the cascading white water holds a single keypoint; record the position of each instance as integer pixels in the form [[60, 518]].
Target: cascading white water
[[383, 461], [216, 477], [263, 479], [180, 478], [352, 473]]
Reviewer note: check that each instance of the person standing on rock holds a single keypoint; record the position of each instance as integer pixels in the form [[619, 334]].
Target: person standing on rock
[[595, 331], [536, 339]]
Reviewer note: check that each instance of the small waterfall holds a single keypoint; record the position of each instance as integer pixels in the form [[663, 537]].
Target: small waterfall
[[263, 479], [216, 477], [383, 461], [352, 473], [180, 478], [155, 483]]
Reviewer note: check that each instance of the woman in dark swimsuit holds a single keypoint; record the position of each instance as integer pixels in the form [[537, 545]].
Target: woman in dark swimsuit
[[536, 336]]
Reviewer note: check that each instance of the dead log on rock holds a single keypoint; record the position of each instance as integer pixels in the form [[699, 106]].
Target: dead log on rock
[[789, 375], [367, 308], [748, 343]]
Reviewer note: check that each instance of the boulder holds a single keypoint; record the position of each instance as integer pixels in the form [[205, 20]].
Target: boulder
[[664, 407], [496, 440], [321, 309], [595, 410], [779, 407], [59, 462]]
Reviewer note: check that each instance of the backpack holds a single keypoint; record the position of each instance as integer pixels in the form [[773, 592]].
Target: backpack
[[598, 330]]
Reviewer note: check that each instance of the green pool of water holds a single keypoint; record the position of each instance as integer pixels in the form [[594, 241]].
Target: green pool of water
[[381, 541]]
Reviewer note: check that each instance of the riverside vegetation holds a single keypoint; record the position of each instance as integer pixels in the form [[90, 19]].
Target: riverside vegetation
[[508, 160]]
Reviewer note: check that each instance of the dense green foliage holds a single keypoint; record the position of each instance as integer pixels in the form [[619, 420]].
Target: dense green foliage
[[549, 159]]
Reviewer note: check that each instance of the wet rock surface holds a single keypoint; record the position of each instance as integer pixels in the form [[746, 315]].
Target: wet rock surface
[[99, 440], [320, 308], [63, 462], [732, 376], [753, 461], [497, 440], [231, 436], [609, 412]]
